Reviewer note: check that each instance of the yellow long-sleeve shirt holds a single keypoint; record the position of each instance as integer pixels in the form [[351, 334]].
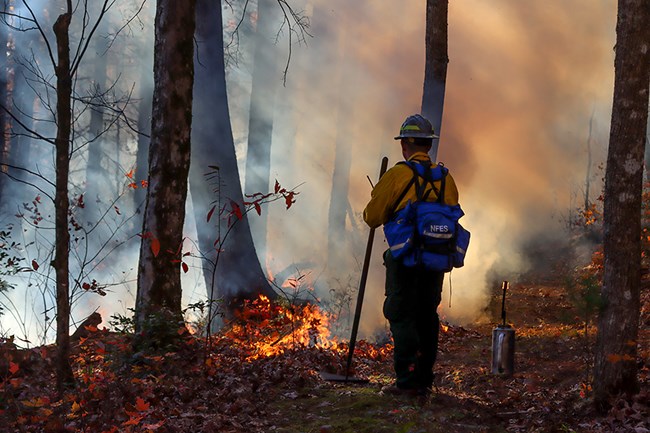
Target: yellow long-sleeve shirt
[[384, 195]]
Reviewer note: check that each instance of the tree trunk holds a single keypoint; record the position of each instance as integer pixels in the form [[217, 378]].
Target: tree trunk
[[64, 374], [145, 94], [238, 274], [260, 122], [96, 174], [339, 246], [618, 325], [5, 142], [158, 299], [435, 68]]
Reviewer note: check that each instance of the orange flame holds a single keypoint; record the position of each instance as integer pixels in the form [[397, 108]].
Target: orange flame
[[267, 328]]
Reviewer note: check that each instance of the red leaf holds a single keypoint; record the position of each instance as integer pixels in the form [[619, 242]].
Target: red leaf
[[141, 405], [236, 210], [155, 247], [258, 208], [211, 212], [35, 265], [129, 174], [13, 367], [185, 267], [277, 186], [144, 183], [133, 421], [289, 199]]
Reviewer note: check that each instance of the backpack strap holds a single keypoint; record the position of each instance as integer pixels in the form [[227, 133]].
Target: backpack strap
[[427, 175]]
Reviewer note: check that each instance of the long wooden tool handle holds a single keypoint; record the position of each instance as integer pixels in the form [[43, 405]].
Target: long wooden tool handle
[[362, 284]]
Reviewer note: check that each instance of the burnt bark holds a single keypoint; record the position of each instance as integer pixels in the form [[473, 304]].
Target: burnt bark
[[238, 274], [64, 374], [435, 67], [618, 325], [159, 280]]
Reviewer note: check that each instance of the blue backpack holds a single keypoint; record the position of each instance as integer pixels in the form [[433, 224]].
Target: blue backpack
[[427, 234]]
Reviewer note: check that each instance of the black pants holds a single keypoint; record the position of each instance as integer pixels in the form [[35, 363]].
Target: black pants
[[412, 299]]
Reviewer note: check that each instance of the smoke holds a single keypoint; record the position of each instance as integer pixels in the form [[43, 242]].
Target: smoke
[[106, 251], [523, 81]]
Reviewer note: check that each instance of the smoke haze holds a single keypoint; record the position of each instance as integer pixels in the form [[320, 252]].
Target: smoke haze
[[523, 81]]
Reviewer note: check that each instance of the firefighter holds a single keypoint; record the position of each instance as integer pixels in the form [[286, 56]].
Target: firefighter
[[413, 294]]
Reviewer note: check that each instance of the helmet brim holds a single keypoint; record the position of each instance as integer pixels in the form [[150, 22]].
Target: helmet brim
[[399, 137]]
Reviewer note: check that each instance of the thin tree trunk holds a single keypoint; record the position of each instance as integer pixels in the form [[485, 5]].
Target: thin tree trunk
[[159, 281], [260, 125], [618, 325], [145, 94], [435, 68], [64, 374], [339, 245], [5, 142], [589, 162], [96, 174]]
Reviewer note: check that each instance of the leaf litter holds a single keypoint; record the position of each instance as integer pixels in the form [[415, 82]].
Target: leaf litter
[[221, 387]]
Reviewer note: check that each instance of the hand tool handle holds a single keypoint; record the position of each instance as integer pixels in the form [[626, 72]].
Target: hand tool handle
[[362, 284], [504, 286]]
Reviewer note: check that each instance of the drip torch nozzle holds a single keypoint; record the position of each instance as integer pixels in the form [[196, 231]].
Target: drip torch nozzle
[[504, 286]]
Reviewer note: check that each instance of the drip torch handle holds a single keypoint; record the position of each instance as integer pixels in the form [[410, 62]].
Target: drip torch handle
[[504, 286]]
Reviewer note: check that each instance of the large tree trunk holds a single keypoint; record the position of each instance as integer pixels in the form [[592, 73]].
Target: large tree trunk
[[266, 79], [64, 374], [618, 324], [159, 280], [238, 274], [435, 68]]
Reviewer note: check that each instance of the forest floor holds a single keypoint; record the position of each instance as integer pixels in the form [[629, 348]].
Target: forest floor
[[229, 387]]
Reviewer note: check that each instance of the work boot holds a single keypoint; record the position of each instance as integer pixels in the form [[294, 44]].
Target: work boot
[[409, 392]]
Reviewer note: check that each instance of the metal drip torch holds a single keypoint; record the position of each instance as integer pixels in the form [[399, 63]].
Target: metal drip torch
[[503, 342]]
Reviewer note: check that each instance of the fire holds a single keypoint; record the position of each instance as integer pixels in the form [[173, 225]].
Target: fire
[[445, 328], [268, 328]]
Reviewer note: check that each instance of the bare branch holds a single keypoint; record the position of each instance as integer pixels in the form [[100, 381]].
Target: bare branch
[[127, 24], [33, 133], [33, 185], [42, 32], [83, 46], [297, 24]]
